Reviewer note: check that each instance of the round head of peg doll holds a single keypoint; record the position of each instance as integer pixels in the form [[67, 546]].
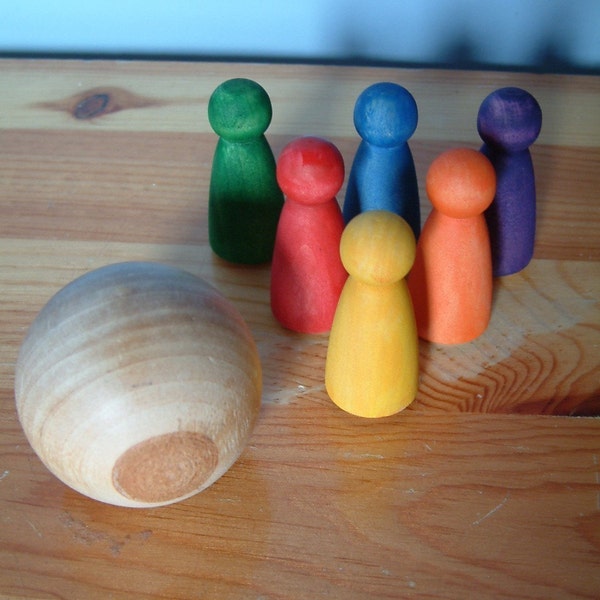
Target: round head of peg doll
[[378, 247], [310, 170], [509, 118], [239, 109], [385, 114], [461, 183]]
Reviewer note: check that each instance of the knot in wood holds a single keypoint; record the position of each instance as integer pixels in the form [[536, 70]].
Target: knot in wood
[[92, 106]]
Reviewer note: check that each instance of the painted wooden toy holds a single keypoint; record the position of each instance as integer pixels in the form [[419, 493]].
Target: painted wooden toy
[[138, 384], [451, 280], [244, 198], [383, 172], [307, 274], [372, 359], [509, 121]]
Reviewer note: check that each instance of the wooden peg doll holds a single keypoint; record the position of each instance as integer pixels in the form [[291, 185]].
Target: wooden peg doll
[[371, 367], [244, 198], [451, 280], [383, 175], [509, 121], [307, 274]]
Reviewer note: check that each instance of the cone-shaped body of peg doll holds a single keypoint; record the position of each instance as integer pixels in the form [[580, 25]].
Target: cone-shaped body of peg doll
[[383, 175], [244, 199], [509, 121], [451, 279], [307, 274], [372, 363]]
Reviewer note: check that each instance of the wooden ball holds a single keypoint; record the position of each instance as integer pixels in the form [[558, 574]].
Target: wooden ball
[[378, 247], [509, 118], [386, 114], [239, 109], [138, 384], [310, 170], [461, 183]]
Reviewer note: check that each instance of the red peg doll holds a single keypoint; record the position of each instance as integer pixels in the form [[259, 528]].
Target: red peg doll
[[451, 279], [307, 274]]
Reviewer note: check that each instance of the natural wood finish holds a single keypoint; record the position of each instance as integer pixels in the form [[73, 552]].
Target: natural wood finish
[[104, 161], [138, 384]]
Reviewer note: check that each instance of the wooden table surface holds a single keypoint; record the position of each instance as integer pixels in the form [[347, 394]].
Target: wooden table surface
[[487, 486]]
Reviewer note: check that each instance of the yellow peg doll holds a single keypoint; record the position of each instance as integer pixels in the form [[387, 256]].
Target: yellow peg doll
[[372, 363]]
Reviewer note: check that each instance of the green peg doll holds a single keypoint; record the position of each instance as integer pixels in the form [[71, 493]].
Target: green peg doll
[[244, 198]]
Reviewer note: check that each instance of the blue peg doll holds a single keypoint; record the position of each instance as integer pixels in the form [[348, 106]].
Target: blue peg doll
[[383, 175]]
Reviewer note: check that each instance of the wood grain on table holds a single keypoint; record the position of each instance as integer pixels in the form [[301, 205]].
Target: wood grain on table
[[487, 486]]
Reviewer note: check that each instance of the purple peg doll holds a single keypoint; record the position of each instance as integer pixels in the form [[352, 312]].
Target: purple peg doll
[[509, 121]]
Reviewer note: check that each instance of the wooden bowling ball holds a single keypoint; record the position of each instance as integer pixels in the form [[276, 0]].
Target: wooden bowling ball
[[138, 384]]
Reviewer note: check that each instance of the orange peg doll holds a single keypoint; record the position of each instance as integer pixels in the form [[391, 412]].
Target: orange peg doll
[[372, 365], [451, 280]]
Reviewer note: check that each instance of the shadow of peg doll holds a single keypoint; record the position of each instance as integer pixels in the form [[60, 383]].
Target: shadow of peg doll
[[244, 199], [451, 279], [371, 369], [307, 274], [509, 121], [383, 175]]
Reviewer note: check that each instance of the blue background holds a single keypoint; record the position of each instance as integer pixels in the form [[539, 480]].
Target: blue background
[[547, 35]]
